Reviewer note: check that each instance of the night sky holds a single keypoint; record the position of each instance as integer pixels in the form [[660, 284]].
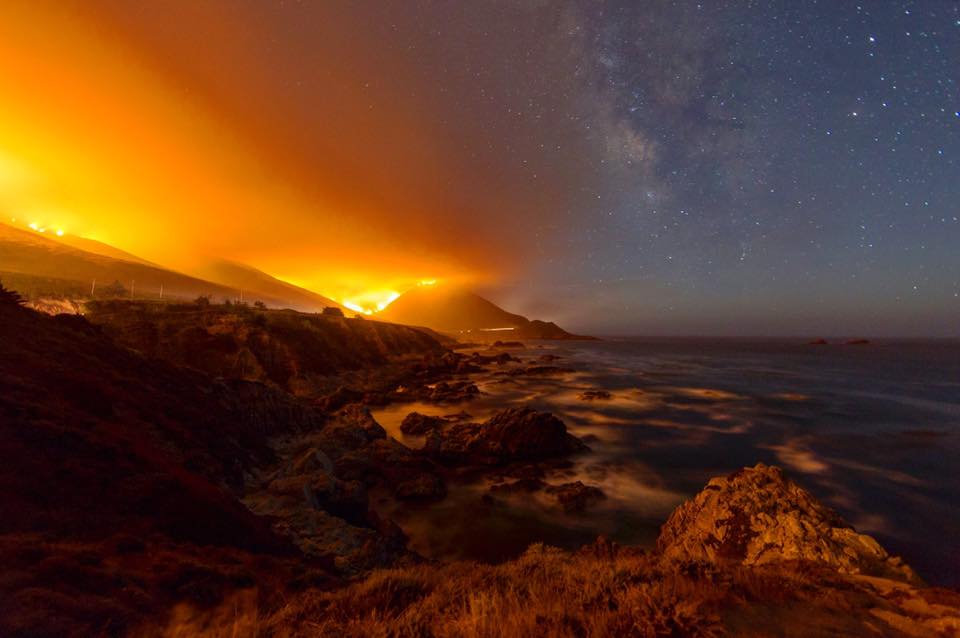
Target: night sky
[[655, 167]]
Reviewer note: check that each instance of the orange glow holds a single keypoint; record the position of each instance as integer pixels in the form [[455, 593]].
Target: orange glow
[[114, 136], [371, 302]]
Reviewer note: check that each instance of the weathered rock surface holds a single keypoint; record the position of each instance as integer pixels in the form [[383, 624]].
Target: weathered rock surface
[[351, 428], [499, 359], [576, 496], [450, 392], [291, 350], [515, 434], [757, 516], [595, 395], [425, 486], [536, 370], [416, 423]]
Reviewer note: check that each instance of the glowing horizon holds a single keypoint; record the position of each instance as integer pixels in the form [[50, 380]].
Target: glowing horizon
[[118, 146]]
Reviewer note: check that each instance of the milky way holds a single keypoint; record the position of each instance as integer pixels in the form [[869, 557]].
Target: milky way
[[768, 167]]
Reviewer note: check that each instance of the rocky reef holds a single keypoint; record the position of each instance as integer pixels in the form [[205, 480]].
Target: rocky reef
[[144, 495], [817, 583]]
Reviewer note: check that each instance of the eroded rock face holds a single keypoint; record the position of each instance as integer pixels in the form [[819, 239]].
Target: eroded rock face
[[416, 423], [757, 516], [515, 434], [576, 496], [351, 428], [537, 370], [595, 395], [452, 392]]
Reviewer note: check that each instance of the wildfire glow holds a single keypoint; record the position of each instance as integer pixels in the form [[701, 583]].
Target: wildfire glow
[[97, 124], [356, 307], [371, 302]]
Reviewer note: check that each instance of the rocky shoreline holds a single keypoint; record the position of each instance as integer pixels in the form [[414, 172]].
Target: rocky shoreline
[[257, 489]]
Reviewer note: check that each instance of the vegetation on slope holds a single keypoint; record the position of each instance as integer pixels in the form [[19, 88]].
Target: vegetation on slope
[[121, 478], [288, 349], [598, 592]]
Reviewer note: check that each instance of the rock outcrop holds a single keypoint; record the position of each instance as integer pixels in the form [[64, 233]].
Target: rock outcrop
[[416, 423], [595, 395], [290, 350], [514, 434], [757, 516], [576, 496]]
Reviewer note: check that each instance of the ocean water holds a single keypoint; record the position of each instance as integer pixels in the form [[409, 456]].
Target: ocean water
[[872, 430]]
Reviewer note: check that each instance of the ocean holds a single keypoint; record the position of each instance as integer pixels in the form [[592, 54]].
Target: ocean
[[872, 430]]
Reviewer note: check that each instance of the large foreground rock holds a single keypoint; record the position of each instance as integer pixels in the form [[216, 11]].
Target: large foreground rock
[[515, 434], [757, 516]]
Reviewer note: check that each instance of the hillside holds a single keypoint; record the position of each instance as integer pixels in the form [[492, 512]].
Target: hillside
[[256, 283], [284, 348], [120, 478], [42, 266], [146, 498], [461, 312], [123, 473], [100, 248]]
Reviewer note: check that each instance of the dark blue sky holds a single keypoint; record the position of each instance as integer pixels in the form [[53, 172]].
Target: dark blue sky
[[763, 168]]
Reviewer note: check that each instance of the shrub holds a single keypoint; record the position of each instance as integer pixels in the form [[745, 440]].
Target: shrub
[[10, 297]]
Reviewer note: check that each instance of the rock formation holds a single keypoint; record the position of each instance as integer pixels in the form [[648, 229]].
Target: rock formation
[[416, 423], [514, 434], [576, 496], [595, 395], [757, 516]]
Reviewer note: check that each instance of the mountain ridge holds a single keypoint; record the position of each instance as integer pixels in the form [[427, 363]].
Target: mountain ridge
[[460, 311], [38, 261]]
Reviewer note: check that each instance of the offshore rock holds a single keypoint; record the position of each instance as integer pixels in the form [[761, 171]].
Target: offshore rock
[[576, 496], [514, 434], [595, 395]]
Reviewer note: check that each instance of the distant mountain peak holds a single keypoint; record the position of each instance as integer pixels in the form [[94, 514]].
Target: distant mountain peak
[[460, 311]]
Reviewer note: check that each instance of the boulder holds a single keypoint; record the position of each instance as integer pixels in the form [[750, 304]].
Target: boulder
[[499, 359], [450, 392], [416, 423], [595, 395], [576, 496], [339, 398], [757, 516], [351, 428], [423, 487], [389, 463], [514, 434]]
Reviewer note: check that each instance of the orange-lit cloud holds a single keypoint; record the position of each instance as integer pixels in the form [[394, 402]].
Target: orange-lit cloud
[[173, 132]]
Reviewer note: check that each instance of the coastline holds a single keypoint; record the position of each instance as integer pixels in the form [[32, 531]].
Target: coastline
[[263, 489]]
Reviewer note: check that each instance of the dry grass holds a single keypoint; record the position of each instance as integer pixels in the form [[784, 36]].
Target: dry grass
[[543, 594], [548, 593]]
